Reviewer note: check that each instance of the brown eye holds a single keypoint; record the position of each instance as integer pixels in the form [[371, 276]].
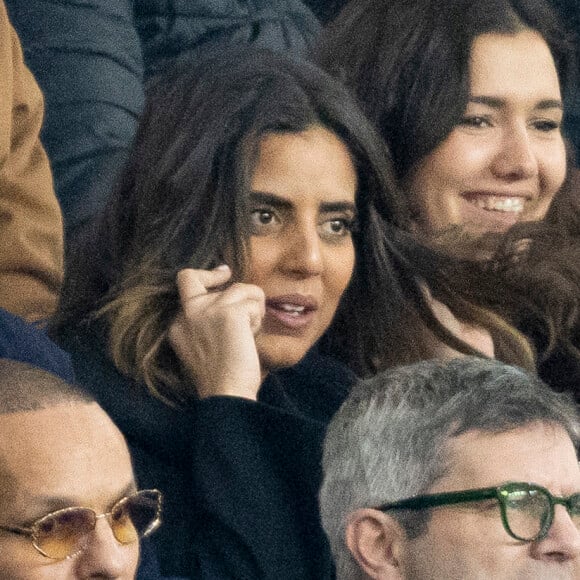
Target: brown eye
[[264, 217], [336, 228], [476, 121], [264, 221], [546, 126]]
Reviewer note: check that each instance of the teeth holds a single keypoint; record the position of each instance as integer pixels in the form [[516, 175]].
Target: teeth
[[292, 309], [499, 203]]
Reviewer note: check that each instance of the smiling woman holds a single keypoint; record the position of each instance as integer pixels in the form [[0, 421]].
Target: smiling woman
[[469, 96], [505, 160]]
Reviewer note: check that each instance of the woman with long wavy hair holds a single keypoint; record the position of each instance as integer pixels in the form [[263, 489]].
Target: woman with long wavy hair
[[470, 97], [254, 220]]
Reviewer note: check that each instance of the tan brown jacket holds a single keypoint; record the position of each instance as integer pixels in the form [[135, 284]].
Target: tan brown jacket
[[31, 229]]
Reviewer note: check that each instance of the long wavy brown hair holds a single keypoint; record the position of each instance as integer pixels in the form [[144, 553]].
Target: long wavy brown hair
[[182, 202]]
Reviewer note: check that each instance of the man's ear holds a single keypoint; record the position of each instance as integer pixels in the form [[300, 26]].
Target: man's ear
[[376, 542]]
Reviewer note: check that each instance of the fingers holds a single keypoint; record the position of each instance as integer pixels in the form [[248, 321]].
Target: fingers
[[213, 335], [191, 283], [194, 287]]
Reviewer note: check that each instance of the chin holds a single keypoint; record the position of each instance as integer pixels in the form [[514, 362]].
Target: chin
[[280, 352]]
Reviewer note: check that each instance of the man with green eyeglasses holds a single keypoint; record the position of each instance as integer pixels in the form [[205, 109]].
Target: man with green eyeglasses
[[459, 470], [69, 505]]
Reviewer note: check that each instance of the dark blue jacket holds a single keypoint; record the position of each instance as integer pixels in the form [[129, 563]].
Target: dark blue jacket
[[28, 343], [91, 60]]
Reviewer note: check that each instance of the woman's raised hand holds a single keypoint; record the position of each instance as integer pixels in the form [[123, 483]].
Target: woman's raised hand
[[213, 334]]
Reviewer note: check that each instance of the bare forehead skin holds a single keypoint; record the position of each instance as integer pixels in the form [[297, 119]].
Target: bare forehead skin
[[525, 58], [537, 453], [71, 453]]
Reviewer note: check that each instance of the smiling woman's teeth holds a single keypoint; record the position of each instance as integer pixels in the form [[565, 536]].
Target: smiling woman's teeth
[[499, 203]]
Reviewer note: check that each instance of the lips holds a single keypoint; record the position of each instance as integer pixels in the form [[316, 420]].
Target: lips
[[291, 312], [498, 202]]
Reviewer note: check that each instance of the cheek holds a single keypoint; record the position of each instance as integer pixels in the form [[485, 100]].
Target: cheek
[[554, 169], [262, 262], [446, 168], [339, 269]]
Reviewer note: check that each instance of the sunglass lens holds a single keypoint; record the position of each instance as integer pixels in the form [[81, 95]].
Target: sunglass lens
[[136, 516], [63, 533], [527, 511]]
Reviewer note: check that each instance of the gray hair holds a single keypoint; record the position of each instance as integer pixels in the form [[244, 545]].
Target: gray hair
[[27, 388], [388, 440]]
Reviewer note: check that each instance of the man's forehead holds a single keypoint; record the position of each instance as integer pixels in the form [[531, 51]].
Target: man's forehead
[[56, 418], [71, 451], [541, 453]]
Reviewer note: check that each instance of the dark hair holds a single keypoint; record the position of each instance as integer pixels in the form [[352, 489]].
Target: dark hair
[[181, 202], [408, 61]]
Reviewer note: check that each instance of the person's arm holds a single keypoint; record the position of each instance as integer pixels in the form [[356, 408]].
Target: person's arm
[[256, 473], [31, 261]]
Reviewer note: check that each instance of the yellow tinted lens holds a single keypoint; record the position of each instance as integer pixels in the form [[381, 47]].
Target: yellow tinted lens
[[135, 516], [121, 524], [63, 533]]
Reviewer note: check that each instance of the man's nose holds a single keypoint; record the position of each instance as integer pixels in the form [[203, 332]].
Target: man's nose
[[105, 557], [562, 543]]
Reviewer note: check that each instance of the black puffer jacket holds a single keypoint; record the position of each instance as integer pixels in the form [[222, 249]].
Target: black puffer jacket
[[91, 60]]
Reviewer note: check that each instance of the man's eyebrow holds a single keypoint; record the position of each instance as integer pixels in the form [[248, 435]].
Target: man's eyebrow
[[498, 103], [49, 503], [281, 203]]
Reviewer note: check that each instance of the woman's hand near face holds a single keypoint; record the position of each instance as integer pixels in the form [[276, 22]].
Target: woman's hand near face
[[213, 334]]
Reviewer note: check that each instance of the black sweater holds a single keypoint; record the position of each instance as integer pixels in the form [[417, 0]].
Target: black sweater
[[240, 478]]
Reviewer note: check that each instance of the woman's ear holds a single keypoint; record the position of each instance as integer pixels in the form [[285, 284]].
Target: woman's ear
[[376, 541]]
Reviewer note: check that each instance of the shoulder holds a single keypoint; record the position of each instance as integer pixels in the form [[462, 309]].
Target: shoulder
[[26, 342], [144, 419]]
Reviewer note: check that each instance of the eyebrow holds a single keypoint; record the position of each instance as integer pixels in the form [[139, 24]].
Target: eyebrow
[[47, 503], [281, 203], [498, 103]]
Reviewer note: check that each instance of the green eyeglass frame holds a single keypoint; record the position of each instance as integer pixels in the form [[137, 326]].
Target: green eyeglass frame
[[513, 497]]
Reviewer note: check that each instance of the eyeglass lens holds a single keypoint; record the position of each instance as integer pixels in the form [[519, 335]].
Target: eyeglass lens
[[66, 532], [529, 512]]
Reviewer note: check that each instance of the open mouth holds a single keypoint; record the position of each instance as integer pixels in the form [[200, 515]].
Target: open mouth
[[497, 203], [291, 312]]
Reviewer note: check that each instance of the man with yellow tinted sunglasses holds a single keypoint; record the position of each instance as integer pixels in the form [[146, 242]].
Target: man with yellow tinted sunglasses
[[69, 505]]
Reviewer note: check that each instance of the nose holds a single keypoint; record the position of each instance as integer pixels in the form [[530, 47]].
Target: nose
[[515, 159], [562, 544], [303, 255], [104, 557]]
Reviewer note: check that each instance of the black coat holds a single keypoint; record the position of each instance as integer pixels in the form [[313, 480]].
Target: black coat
[[240, 478]]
